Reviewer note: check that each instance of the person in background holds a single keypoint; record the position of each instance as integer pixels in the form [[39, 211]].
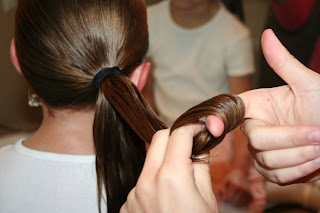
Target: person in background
[[83, 60], [198, 49]]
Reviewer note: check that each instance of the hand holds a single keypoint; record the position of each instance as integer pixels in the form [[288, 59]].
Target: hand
[[235, 188], [170, 181], [283, 123]]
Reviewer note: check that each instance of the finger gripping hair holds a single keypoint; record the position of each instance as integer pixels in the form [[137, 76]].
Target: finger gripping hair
[[229, 108]]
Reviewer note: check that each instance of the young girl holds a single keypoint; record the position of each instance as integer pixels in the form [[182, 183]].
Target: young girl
[[83, 60]]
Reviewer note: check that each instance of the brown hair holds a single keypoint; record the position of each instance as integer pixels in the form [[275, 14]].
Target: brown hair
[[62, 44], [229, 108]]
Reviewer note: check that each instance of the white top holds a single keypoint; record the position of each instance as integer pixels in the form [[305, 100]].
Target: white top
[[33, 181], [192, 65]]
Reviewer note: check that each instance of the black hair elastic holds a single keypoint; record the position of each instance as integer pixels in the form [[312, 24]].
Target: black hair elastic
[[104, 73]]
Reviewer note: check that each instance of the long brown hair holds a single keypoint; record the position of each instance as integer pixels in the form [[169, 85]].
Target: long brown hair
[[61, 45]]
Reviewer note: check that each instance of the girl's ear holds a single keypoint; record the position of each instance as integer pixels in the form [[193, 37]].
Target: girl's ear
[[14, 58], [139, 75]]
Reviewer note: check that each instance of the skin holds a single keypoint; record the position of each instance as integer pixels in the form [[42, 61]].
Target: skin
[[283, 123], [283, 139], [147, 91], [77, 136], [191, 14], [170, 181], [283, 128], [235, 185]]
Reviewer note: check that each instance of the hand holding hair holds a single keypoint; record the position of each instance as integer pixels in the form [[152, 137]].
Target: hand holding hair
[[144, 123], [283, 123], [97, 47], [229, 108], [170, 181]]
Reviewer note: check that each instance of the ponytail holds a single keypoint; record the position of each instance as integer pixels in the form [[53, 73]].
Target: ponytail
[[124, 122]]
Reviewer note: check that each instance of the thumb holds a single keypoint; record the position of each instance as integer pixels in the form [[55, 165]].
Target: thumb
[[215, 125], [284, 64]]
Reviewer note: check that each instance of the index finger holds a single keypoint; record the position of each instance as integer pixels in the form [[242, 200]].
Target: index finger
[[180, 143], [263, 137], [156, 152]]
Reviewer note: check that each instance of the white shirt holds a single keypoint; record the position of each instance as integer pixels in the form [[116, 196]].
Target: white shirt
[[32, 181], [192, 65]]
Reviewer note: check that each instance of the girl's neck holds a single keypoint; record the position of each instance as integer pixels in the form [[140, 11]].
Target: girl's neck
[[192, 16], [65, 132]]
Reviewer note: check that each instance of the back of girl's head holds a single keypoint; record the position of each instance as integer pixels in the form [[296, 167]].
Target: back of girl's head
[[62, 44]]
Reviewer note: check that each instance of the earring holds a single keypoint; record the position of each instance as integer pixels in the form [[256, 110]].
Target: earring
[[34, 100]]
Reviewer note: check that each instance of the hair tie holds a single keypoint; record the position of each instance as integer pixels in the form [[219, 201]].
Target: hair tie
[[104, 73]]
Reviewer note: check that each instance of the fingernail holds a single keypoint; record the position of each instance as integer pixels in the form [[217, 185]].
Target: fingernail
[[314, 136]]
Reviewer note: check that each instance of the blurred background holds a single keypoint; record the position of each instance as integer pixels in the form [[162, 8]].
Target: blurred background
[[15, 114], [18, 120]]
